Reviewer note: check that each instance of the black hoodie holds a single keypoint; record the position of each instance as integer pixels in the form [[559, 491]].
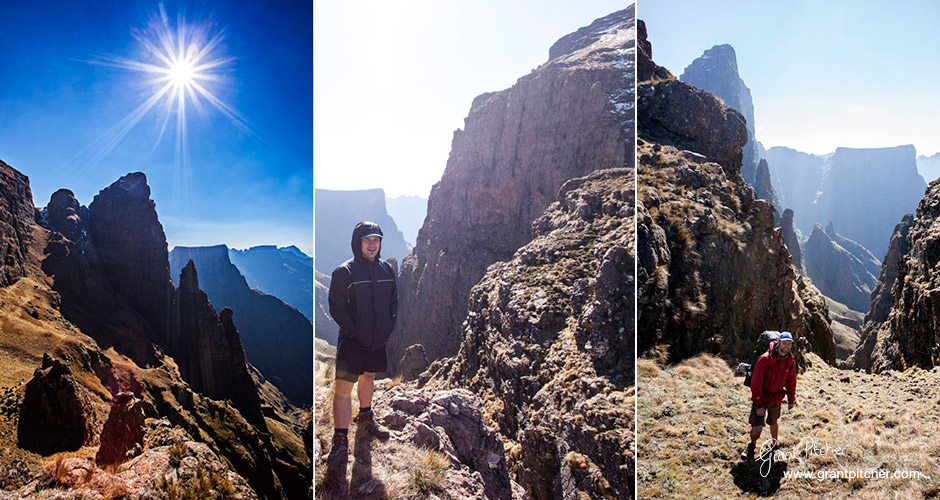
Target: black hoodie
[[364, 295]]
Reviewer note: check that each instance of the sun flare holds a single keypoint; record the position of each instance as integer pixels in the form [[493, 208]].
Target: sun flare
[[182, 64]]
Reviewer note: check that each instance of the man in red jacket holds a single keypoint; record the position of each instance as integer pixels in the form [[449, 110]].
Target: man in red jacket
[[774, 376]]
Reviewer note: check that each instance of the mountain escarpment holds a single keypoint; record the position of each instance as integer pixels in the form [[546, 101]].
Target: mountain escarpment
[[548, 344], [713, 272], [569, 117]]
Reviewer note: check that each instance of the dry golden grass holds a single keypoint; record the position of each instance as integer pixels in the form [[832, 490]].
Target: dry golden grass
[[692, 425]]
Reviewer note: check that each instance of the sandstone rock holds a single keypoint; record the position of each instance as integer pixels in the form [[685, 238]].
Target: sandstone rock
[[450, 422], [763, 188], [836, 272], [646, 69], [66, 215], [714, 273], [131, 248], [122, 437], [548, 343], [678, 114], [56, 414], [790, 239], [277, 338], [414, 362], [716, 71], [208, 350], [16, 220], [572, 115]]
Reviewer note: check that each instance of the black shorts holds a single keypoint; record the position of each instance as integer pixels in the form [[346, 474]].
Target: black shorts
[[771, 415], [352, 361]]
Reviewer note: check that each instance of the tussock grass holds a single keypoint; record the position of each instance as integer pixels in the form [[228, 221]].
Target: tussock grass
[[692, 425]]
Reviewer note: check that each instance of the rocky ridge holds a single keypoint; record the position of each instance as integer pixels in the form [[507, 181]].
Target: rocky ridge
[[836, 271], [548, 344], [906, 333], [713, 272], [277, 338], [571, 116]]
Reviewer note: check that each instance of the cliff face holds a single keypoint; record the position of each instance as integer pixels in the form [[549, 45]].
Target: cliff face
[[277, 339], [798, 178], [790, 239], [909, 336], [548, 344], [131, 247], [716, 71], [881, 297], [286, 273], [337, 213], [713, 272], [108, 270], [16, 220], [571, 116], [866, 191], [836, 272]]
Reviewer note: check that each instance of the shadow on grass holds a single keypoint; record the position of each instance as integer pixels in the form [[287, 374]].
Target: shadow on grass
[[334, 485], [363, 483], [762, 476]]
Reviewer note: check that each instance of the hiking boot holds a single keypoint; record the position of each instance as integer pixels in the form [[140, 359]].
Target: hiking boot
[[366, 422], [339, 455], [748, 454]]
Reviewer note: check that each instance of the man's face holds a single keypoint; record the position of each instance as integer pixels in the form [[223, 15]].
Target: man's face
[[370, 247], [785, 347]]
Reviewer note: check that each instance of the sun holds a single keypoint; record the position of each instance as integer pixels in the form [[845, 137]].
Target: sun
[[181, 65], [182, 73]]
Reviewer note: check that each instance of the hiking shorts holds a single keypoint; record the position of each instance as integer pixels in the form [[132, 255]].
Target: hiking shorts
[[352, 361], [771, 415]]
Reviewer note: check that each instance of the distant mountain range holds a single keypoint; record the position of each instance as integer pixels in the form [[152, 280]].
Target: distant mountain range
[[286, 273], [408, 212]]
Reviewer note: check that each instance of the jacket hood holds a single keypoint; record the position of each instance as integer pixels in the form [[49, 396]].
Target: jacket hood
[[362, 229]]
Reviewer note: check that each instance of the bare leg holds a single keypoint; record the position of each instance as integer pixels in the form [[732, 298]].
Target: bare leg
[[755, 433], [773, 432], [342, 403], [365, 389]]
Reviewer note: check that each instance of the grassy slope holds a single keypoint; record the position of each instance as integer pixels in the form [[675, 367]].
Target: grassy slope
[[693, 425]]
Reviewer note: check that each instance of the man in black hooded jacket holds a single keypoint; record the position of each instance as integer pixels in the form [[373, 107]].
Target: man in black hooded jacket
[[364, 303]]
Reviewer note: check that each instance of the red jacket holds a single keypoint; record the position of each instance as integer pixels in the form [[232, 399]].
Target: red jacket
[[773, 377]]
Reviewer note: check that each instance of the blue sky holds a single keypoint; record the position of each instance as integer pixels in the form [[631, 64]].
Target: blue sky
[[394, 80], [240, 184], [822, 74]]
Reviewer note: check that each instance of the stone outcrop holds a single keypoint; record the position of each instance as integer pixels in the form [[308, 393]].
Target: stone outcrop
[[277, 338], [763, 188], [881, 298], [16, 219], [906, 333], [208, 350], [716, 71], [790, 239], [338, 212], [548, 344], [836, 272], [571, 116], [450, 422], [131, 248], [286, 273], [122, 437], [713, 272], [56, 414]]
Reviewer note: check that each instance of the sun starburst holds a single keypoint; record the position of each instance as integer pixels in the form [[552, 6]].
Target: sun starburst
[[181, 63]]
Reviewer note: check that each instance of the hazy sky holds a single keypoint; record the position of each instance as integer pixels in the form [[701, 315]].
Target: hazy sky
[[64, 94], [393, 80], [822, 74]]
